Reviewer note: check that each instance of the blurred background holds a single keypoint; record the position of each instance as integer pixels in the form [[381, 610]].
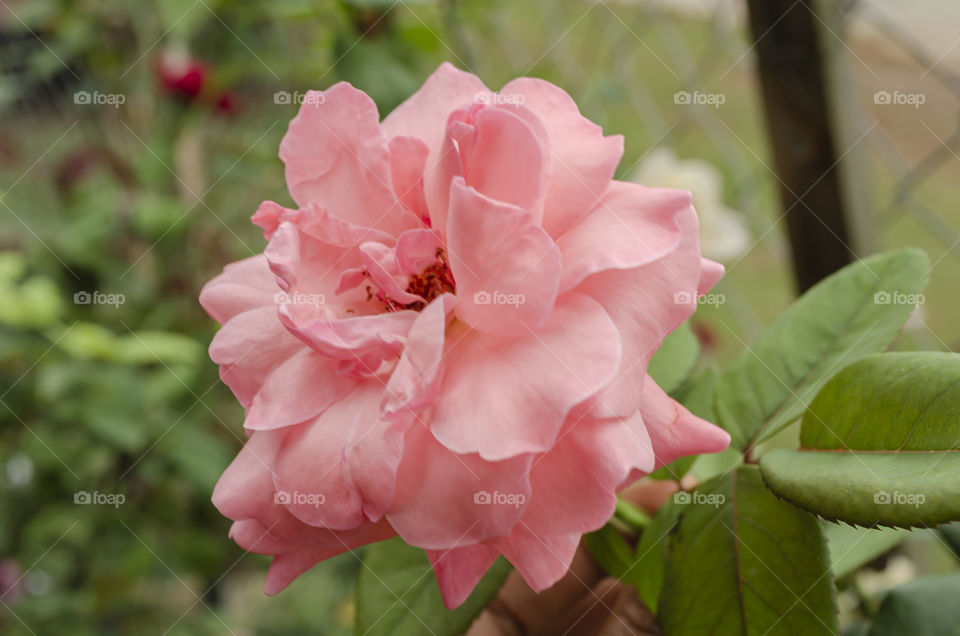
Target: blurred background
[[136, 139]]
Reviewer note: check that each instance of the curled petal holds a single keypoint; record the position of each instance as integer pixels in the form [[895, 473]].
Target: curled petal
[[289, 565], [242, 286], [460, 569], [605, 453], [500, 154], [630, 226], [710, 273], [646, 303], [425, 112], [270, 215], [440, 499], [674, 431], [520, 390], [342, 326], [380, 264], [506, 267], [416, 379], [542, 560], [408, 159], [246, 491], [249, 347], [343, 463], [246, 486], [252, 536], [336, 155], [583, 160], [283, 254], [417, 249], [318, 222], [299, 389], [366, 340]]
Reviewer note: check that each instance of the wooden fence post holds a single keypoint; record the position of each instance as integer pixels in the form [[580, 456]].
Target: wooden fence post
[[809, 102]]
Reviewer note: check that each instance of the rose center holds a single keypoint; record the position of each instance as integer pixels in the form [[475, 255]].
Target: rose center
[[435, 279]]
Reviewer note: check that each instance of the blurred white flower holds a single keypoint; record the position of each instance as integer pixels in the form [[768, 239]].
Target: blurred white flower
[[917, 322], [19, 470], [38, 583], [899, 570], [723, 232]]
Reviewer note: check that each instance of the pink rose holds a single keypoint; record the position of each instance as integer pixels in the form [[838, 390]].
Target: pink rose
[[447, 339]]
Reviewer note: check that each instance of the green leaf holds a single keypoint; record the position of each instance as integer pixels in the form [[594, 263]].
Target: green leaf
[[879, 444], [147, 347], [182, 19], [397, 594], [34, 303], [697, 394], [713, 464], [85, 340], [868, 489], [951, 535], [198, 455], [852, 547], [631, 515], [675, 359], [742, 562], [926, 606], [893, 401], [156, 215], [839, 320], [610, 550], [647, 571], [114, 428]]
